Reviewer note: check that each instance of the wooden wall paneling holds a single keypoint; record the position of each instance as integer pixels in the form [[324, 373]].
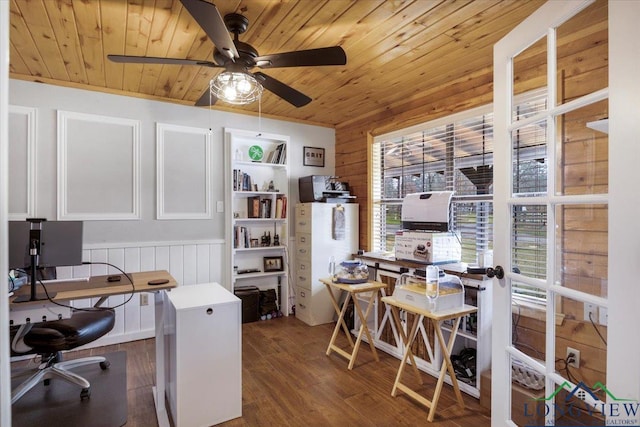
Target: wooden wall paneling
[[22, 162], [176, 263], [115, 256], [113, 41], [190, 264], [162, 260], [24, 42], [87, 21], [132, 309], [215, 266], [203, 262], [148, 263]]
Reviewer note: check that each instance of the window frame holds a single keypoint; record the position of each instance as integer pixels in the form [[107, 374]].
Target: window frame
[[484, 235]]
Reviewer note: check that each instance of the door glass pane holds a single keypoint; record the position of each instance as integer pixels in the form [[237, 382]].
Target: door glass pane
[[581, 359], [583, 157], [530, 68], [527, 386], [582, 53], [581, 248], [529, 159], [529, 240]]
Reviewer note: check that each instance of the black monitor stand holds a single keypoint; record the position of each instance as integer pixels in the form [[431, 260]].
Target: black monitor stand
[[34, 252]]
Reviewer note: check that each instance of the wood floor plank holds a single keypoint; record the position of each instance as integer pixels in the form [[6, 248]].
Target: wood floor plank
[[289, 381]]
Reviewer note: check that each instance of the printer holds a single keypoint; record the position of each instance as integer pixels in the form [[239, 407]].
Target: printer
[[323, 188], [425, 235], [426, 211]]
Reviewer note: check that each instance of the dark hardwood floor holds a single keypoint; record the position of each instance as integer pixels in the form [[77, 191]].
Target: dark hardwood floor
[[289, 381]]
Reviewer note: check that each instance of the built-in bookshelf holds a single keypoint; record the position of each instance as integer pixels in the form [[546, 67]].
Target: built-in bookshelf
[[257, 186]]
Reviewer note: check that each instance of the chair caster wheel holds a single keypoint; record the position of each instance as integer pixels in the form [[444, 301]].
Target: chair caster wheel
[[85, 393], [105, 365]]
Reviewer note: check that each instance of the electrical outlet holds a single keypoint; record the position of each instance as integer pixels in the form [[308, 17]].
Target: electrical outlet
[[590, 312], [144, 299], [575, 354], [603, 319]]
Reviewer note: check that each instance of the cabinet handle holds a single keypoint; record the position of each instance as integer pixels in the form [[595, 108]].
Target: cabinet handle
[[303, 239], [302, 251], [302, 223], [302, 294], [209, 311], [303, 306], [302, 279]]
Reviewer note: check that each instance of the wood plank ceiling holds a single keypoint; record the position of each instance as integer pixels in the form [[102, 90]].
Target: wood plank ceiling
[[396, 49]]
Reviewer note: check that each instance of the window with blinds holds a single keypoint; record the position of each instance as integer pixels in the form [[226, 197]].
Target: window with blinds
[[456, 153]]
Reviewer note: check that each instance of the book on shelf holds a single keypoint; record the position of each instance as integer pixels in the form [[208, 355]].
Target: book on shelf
[[241, 237], [265, 208], [253, 207], [281, 206], [242, 181]]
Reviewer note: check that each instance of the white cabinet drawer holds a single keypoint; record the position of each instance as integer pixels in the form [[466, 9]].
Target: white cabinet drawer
[[303, 219], [303, 274], [303, 246], [314, 307]]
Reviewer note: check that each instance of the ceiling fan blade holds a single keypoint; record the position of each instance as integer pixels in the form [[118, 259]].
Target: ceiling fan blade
[[153, 60], [208, 17], [285, 92], [323, 56], [206, 99]]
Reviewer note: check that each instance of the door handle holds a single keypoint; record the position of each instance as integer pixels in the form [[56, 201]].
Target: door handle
[[498, 272]]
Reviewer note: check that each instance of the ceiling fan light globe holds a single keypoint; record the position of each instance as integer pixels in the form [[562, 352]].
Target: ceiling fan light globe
[[230, 93], [244, 86], [236, 88]]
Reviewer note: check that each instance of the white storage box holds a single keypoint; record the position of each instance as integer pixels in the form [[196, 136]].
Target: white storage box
[[412, 290], [428, 247]]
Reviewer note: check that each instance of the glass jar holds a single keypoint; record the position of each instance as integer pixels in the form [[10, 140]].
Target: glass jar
[[352, 272]]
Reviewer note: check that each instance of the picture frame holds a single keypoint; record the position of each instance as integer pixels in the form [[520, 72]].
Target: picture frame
[[273, 263], [313, 156], [254, 243]]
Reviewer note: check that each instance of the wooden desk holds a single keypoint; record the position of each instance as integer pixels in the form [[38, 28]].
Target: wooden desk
[[436, 319], [352, 291], [99, 287]]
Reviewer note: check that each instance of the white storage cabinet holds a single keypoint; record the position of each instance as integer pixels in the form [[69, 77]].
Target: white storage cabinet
[[315, 243], [203, 355]]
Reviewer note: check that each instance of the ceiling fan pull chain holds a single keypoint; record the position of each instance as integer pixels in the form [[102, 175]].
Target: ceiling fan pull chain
[[260, 115]]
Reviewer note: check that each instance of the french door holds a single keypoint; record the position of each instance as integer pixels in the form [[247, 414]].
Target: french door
[[551, 216]]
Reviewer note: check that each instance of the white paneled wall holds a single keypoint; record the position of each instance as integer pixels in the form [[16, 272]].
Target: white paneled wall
[[188, 262]]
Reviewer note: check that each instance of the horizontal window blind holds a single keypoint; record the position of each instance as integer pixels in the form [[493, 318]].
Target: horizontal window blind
[[456, 153]]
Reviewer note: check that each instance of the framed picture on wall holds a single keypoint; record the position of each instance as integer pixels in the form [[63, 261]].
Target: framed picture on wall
[[313, 156], [273, 263]]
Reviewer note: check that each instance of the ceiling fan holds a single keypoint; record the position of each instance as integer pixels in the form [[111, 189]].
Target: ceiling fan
[[238, 58]]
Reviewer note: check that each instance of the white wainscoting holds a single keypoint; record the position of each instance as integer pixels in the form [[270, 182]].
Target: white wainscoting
[[188, 262]]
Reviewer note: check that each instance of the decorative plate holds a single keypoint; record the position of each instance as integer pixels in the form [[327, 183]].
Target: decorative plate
[[256, 153]]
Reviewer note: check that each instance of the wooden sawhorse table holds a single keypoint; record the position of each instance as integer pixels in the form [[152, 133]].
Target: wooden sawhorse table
[[436, 319], [352, 293]]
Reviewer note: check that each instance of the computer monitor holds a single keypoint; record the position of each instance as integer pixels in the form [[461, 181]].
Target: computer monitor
[[38, 243]]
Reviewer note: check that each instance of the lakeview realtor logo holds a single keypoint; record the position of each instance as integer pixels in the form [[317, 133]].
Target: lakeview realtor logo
[[582, 401]]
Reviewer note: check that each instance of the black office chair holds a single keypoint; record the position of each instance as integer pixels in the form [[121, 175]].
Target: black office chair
[[49, 339]]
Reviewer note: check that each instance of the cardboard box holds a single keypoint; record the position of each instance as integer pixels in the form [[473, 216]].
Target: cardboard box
[[519, 396], [428, 247]]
